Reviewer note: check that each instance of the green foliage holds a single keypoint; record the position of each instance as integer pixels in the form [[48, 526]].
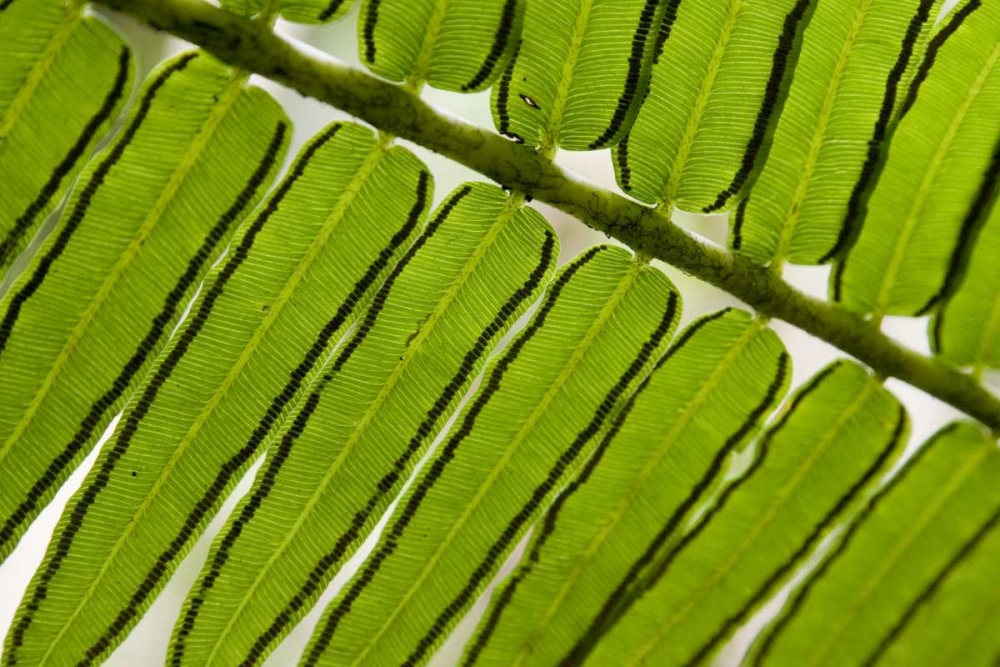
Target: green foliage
[[440, 372]]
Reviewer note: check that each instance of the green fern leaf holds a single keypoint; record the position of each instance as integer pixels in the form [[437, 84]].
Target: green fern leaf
[[941, 172], [87, 317], [298, 11], [699, 137], [849, 84], [384, 396], [841, 431], [535, 418], [655, 464], [580, 73], [871, 584], [300, 271], [64, 78], [459, 45]]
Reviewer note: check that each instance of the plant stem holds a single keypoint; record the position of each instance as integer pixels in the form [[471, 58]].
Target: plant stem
[[394, 109]]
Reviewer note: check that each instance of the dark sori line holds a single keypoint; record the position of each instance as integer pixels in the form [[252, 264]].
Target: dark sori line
[[262, 490], [503, 93], [619, 601], [973, 222], [435, 469], [878, 143], [120, 385], [331, 9], [103, 477], [933, 47], [94, 183], [550, 523], [633, 77], [932, 588], [51, 187], [5, 4], [511, 532], [794, 605], [779, 575], [508, 21], [387, 483], [624, 170], [795, 22], [235, 464], [741, 213], [371, 19]]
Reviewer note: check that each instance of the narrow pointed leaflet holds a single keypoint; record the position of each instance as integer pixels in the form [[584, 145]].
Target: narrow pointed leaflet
[[458, 45], [966, 331], [538, 411], [851, 76], [57, 63], [659, 458], [85, 320], [717, 86], [580, 73], [916, 531], [345, 452], [939, 181], [841, 432], [300, 271]]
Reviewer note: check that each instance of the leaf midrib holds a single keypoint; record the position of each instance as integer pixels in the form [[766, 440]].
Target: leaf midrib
[[629, 279], [333, 221], [690, 411], [781, 497], [511, 207], [550, 142], [190, 158]]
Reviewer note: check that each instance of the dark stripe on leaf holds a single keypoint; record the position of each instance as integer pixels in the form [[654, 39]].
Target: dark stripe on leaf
[[103, 476], [633, 78], [5, 4], [876, 145], [51, 187], [666, 27], [781, 573], [508, 21], [445, 454], [780, 61], [331, 9], [94, 183], [792, 607], [371, 19], [932, 588], [503, 93], [977, 215], [235, 464], [624, 595], [624, 171], [390, 479], [510, 533], [741, 213], [933, 47]]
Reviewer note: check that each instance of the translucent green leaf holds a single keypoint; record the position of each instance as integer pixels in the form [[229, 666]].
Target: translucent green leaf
[[579, 74], [956, 619], [298, 11], [940, 174], [967, 330], [716, 86], [84, 321], [458, 45], [841, 431], [384, 396], [865, 592], [665, 449], [65, 76], [850, 80], [533, 421], [299, 272]]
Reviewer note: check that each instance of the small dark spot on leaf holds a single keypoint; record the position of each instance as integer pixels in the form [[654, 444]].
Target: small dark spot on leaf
[[134, 473], [530, 102]]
